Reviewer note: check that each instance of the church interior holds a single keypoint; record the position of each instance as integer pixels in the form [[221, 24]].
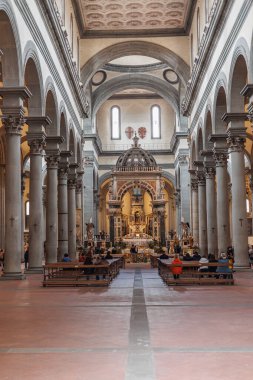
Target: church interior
[[126, 144]]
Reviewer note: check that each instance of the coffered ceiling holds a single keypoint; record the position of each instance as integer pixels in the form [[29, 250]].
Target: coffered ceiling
[[114, 18]]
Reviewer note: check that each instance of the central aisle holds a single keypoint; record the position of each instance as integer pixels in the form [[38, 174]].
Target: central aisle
[[137, 329]]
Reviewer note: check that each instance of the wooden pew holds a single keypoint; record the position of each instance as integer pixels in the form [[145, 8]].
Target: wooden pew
[[76, 274], [191, 274]]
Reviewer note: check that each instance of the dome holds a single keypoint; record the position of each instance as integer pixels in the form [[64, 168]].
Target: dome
[[136, 157]]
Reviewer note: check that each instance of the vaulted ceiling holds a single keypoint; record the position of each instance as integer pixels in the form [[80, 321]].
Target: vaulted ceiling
[[111, 18]]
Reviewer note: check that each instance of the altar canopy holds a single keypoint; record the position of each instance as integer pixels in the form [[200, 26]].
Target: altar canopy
[[139, 198]]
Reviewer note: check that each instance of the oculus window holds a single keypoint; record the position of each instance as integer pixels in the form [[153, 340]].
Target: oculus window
[[155, 122], [115, 123]]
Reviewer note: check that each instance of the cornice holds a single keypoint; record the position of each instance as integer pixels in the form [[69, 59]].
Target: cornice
[[57, 38], [219, 16], [177, 136]]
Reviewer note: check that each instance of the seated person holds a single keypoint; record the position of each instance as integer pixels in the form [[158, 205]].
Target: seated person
[[196, 256], [114, 251], [177, 270], [66, 258], [203, 268], [224, 271], [163, 256], [82, 258], [212, 259], [187, 257], [108, 256]]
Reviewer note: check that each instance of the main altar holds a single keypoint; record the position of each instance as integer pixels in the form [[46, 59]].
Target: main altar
[[137, 201]]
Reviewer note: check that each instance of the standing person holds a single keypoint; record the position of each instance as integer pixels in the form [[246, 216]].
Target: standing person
[[26, 257], [176, 270]]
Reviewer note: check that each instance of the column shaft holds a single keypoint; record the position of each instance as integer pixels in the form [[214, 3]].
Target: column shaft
[[202, 216], [62, 213], [239, 216], [211, 211], [222, 202], [72, 218], [52, 211], [36, 249], [195, 213], [13, 249]]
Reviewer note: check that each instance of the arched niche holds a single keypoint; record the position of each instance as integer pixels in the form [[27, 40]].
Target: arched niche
[[51, 112], [238, 81], [10, 46], [199, 144], [63, 131], [208, 131], [220, 109], [32, 81], [72, 146]]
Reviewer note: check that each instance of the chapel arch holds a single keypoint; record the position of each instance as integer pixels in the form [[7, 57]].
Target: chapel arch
[[135, 48], [208, 131], [32, 81], [199, 144], [10, 46], [72, 146], [220, 108], [63, 131], [238, 80], [51, 112]]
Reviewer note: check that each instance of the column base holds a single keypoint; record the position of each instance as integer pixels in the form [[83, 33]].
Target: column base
[[35, 270], [12, 276]]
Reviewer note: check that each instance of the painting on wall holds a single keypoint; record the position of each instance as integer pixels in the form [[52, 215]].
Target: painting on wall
[[129, 131], [142, 131]]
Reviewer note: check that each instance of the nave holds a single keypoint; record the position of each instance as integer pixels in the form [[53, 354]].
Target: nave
[[137, 328]]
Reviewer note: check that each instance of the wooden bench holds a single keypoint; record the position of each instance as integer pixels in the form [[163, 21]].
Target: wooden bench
[[191, 275], [76, 274]]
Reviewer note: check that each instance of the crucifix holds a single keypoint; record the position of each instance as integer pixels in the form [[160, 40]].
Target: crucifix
[[241, 220]]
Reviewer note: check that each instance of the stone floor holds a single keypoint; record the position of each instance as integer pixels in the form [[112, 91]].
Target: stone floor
[[137, 329]]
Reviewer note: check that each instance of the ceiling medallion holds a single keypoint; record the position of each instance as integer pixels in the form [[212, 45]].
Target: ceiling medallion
[[98, 78], [129, 131], [171, 76], [142, 131]]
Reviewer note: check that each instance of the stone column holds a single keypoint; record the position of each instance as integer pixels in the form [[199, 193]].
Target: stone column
[[79, 204], [195, 211], [52, 159], [72, 211], [36, 140], [202, 213], [184, 188], [63, 204], [23, 176], [178, 212], [223, 229], [236, 140], [13, 121], [211, 208]]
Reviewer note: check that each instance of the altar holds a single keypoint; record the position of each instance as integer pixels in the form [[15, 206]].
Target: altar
[[140, 240]]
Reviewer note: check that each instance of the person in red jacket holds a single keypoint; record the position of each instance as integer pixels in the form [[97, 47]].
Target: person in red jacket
[[176, 270]]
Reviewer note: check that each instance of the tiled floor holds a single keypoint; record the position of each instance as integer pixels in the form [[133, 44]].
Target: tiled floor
[[137, 329]]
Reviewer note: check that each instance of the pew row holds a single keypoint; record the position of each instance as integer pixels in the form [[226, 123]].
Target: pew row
[[191, 275], [76, 274]]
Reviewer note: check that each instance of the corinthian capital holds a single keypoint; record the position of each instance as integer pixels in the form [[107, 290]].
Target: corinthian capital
[[13, 123], [220, 157]]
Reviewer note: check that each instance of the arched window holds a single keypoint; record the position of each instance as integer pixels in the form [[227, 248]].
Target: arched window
[[63, 11], [247, 206], [115, 123], [71, 33], [27, 213], [198, 27], [207, 9], [155, 122]]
